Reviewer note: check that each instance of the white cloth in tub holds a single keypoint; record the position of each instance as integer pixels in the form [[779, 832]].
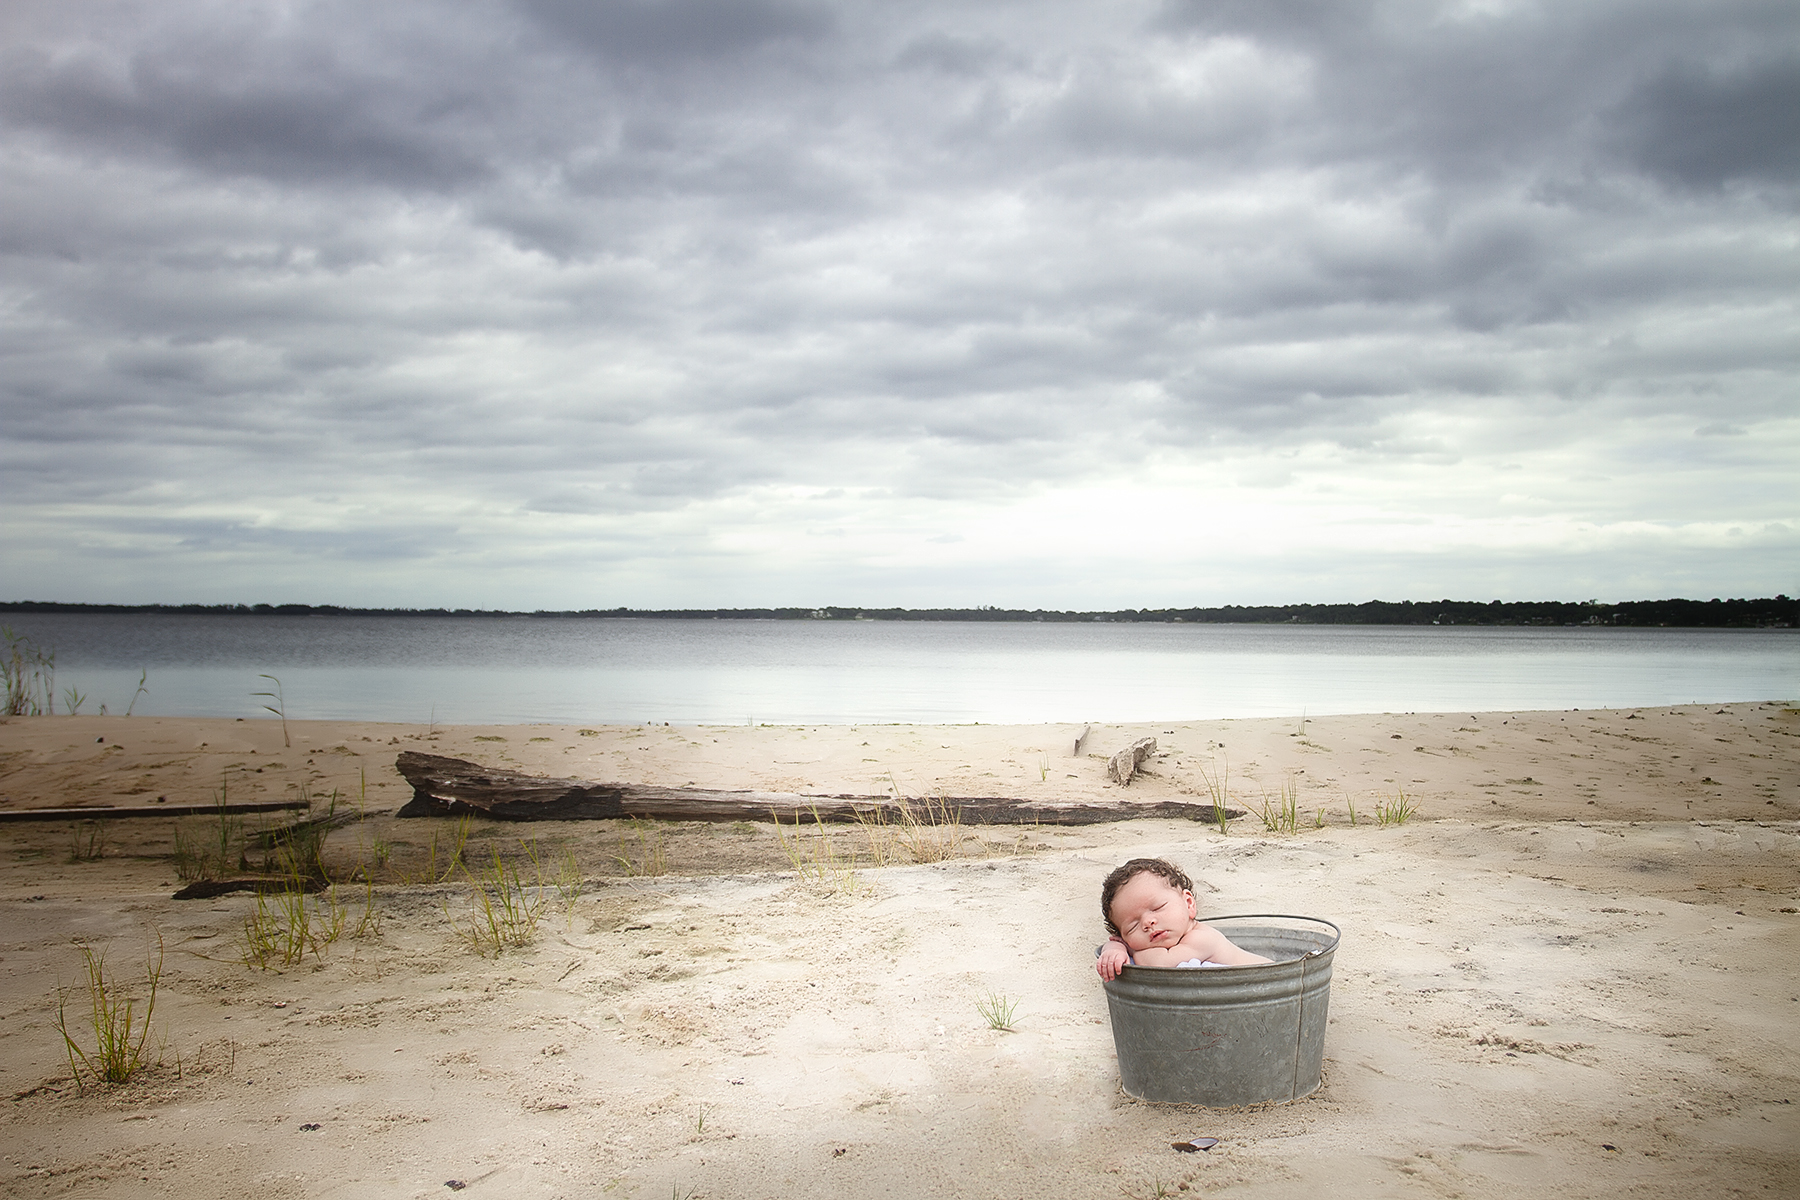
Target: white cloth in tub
[[1194, 962]]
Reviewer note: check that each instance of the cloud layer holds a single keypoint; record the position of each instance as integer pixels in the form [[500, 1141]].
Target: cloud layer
[[558, 303]]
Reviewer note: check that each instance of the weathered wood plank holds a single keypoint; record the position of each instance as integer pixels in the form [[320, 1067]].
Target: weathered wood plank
[[449, 786], [117, 812]]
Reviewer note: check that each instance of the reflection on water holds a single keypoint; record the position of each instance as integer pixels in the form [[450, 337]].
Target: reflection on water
[[522, 669]]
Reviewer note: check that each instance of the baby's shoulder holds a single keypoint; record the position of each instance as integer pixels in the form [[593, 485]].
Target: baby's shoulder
[[1204, 937]]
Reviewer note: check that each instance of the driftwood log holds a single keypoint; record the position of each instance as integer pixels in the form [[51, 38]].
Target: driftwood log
[[451, 786], [1129, 761]]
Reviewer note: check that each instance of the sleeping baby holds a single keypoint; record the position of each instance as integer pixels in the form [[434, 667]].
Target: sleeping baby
[[1149, 909]]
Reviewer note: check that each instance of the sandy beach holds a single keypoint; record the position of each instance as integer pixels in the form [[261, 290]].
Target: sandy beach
[[1575, 972]]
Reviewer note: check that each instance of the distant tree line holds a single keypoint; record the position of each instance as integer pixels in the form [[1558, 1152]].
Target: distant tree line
[[1777, 613]]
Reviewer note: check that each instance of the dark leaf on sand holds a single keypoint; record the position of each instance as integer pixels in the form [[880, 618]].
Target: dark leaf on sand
[[455, 1185], [1196, 1144]]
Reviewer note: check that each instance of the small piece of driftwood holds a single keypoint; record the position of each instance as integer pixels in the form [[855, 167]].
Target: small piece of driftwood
[[451, 786], [206, 889], [1081, 739], [115, 812], [1126, 763]]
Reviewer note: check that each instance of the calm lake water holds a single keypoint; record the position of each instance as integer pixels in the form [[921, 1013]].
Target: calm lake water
[[523, 669]]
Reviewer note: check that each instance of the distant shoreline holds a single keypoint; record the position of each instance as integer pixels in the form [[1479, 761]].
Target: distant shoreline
[[1778, 612]]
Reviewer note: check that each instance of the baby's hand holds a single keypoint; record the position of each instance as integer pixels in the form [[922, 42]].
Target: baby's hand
[[1112, 956]]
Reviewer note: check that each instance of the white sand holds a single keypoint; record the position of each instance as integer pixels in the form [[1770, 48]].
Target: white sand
[[1526, 976]]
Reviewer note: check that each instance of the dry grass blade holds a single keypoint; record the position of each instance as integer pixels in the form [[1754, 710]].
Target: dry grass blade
[[930, 829], [649, 855], [815, 858], [30, 676], [570, 881], [878, 836]]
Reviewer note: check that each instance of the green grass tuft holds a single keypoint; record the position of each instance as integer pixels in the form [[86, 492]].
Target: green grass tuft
[[87, 841], [1282, 815], [284, 926], [115, 1032], [1397, 811], [998, 1010], [506, 911], [206, 848]]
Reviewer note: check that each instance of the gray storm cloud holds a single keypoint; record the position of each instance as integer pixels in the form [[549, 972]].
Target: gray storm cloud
[[558, 304]]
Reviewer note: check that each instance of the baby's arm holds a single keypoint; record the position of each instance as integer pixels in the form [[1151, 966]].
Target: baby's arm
[[1113, 956], [1204, 943], [1209, 945]]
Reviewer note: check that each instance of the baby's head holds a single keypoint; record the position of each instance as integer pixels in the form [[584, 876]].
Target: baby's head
[[1142, 885]]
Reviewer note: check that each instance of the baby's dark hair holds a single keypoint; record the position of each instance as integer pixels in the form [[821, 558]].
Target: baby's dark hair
[[1167, 871]]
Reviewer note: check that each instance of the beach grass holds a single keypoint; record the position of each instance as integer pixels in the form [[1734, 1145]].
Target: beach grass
[[1218, 789], [29, 673], [117, 1032], [299, 848], [570, 880], [926, 831], [210, 848], [368, 924], [999, 1010], [1282, 814], [1397, 811], [279, 708], [285, 925], [441, 861], [506, 910], [879, 841], [931, 829], [815, 857], [143, 675], [87, 841], [644, 851]]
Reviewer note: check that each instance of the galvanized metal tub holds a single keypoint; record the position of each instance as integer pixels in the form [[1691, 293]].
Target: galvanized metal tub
[[1224, 1036]]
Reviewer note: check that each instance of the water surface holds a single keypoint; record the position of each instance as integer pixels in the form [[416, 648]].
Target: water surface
[[525, 669]]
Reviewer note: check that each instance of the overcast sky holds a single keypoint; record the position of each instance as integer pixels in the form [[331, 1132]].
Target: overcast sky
[[554, 303]]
